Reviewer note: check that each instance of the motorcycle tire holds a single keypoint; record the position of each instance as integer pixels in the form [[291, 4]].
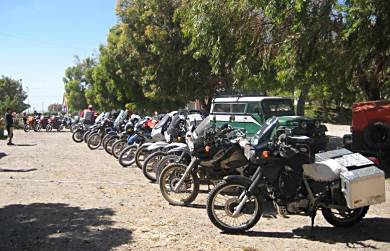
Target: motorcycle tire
[[168, 159], [127, 156], [212, 207], [86, 136], [77, 136], [118, 147], [49, 128], [37, 128], [94, 141], [26, 128], [140, 156], [105, 139], [108, 144], [168, 180], [149, 167], [352, 217]]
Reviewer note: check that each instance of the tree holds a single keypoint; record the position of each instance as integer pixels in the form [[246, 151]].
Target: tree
[[54, 108], [12, 95]]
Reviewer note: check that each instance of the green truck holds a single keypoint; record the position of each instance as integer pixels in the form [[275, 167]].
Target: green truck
[[251, 112]]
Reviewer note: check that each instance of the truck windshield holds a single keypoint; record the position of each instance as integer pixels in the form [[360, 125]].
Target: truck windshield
[[278, 107]]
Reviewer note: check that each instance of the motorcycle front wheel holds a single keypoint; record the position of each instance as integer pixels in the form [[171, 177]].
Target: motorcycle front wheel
[[108, 144], [141, 154], [222, 202], [94, 141], [77, 136], [168, 159], [149, 167], [127, 156], [344, 218], [170, 177], [26, 128], [117, 148]]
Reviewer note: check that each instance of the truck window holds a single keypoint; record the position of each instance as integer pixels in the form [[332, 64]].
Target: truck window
[[229, 108], [253, 108]]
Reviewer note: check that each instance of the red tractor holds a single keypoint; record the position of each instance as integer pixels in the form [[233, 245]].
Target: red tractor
[[371, 131]]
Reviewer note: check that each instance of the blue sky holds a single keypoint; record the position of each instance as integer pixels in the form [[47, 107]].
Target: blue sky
[[39, 39]]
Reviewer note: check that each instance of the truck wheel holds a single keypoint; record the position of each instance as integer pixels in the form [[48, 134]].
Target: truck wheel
[[377, 136]]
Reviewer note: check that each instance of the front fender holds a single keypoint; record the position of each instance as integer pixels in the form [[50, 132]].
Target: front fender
[[239, 179], [180, 150]]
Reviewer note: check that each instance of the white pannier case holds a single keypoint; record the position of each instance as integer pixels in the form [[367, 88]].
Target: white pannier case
[[363, 187]]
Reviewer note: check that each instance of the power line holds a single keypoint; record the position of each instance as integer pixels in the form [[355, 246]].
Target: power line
[[3, 34]]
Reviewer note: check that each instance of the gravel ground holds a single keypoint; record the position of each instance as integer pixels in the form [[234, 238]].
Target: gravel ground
[[59, 195]]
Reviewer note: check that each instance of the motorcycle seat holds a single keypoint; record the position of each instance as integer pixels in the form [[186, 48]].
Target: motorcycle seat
[[324, 171]]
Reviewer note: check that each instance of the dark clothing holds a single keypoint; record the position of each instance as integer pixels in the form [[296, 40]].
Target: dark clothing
[[9, 120]]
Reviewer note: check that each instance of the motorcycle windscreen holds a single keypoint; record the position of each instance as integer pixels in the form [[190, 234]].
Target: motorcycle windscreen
[[163, 121], [121, 117], [99, 118], [265, 133], [201, 128]]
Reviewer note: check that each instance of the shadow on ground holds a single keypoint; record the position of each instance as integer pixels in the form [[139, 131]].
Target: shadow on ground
[[375, 229], [18, 170], [2, 155], [59, 227]]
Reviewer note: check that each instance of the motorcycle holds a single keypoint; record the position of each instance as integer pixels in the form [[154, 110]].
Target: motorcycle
[[297, 183], [215, 153], [54, 122]]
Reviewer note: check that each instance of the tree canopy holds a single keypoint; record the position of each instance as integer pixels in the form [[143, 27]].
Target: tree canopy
[[163, 54], [12, 95]]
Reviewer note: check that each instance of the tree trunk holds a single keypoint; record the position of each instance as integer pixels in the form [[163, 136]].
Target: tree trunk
[[371, 90], [302, 100]]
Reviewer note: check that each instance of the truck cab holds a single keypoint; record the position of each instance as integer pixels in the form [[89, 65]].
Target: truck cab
[[251, 112]]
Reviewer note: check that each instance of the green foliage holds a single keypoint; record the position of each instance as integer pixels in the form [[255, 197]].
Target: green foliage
[[163, 54], [12, 95]]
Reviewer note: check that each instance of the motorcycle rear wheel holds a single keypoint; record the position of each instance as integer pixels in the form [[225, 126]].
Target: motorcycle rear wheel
[[170, 176], [250, 214], [127, 156], [344, 218]]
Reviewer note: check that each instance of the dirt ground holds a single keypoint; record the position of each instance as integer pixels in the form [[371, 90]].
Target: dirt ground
[[59, 195]]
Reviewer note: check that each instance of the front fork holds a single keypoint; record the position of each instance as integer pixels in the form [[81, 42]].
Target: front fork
[[189, 169], [256, 178]]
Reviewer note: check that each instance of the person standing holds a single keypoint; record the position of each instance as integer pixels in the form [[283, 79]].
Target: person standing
[[9, 123]]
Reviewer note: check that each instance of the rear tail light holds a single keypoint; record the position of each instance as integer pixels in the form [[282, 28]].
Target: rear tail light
[[375, 160]]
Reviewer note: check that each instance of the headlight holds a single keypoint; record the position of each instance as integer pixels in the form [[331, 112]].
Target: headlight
[[317, 123], [304, 125]]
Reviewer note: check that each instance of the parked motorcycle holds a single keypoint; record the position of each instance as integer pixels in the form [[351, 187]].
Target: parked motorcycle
[[214, 155], [287, 176]]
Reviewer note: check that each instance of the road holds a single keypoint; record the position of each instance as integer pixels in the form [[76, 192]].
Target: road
[[59, 195]]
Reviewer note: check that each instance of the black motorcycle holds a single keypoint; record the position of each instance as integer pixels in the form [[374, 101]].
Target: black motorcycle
[[214, 155], [287, 176]]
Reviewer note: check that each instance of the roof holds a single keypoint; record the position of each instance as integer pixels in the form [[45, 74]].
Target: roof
[[244, 99]]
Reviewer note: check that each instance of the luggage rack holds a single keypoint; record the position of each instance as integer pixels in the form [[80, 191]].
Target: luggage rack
[[345, 158]]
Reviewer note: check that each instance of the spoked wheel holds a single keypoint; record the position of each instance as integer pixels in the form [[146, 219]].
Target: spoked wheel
[[183, 195], [165, 161], [105, 139], [26, 128], [344, 218], [141, 155], [94, 141], [37, 128], [109, 143], [118, 147], [149, 166], [86, 136], [77, 136], [127, 156], [49, 128], [222, 202]]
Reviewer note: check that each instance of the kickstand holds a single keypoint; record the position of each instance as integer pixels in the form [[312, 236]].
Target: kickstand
[[313, 216]]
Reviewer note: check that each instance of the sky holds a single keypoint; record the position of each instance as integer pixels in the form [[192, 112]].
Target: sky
[[39, 39]]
